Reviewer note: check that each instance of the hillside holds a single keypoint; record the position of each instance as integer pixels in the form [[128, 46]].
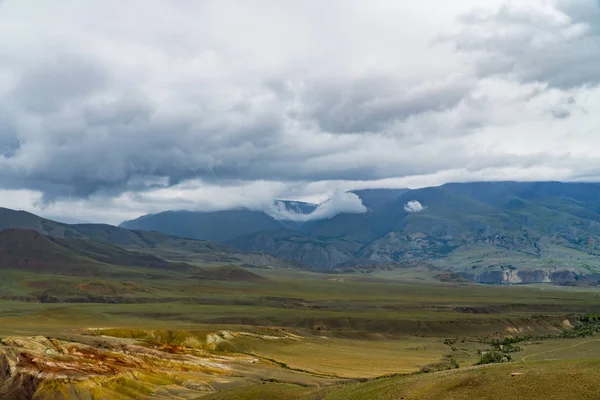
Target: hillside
[[292, 245], [41, 268], [542, 380], [218, 226], [159, 244], [374, 199], [491, 232], [28, 250]]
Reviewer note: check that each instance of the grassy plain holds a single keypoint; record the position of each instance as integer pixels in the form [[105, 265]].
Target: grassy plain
[[313, 330], [352, 305]]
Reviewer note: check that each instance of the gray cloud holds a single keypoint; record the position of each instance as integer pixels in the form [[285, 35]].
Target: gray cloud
[[231, 93], [48, 87], [372, 105], [561, 113], [559, 46]]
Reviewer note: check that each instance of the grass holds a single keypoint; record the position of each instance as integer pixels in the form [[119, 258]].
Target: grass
[[351, 327], [266, 391], [550, 380], [350, 358], [561, 349], [323, 304], [536, 380]]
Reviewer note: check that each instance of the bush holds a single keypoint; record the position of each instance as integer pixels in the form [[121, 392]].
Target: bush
[[443, 365], [492, 357]]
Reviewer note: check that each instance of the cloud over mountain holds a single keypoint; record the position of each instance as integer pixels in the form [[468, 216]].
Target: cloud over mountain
[[338, 203], [176, 102], [413, 206]]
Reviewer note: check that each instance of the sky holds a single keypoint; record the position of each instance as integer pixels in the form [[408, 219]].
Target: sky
[[110, 110]]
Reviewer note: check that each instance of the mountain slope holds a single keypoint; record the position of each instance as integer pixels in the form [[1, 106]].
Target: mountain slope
[[154, 243], [218, 226], [493, 232], [374, 199], [292, 245], [28, 250], [299, 207]]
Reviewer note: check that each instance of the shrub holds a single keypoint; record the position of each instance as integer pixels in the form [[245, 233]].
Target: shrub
[[492, 357]]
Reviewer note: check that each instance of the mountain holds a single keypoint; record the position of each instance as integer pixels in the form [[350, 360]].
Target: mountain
[[158, 244], [218, 226], [375, 198], [492, 232], [28, 250], [292, 245], [41, 268], [298, 207]]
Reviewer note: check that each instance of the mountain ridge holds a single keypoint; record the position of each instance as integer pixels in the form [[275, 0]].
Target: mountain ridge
[[176, 249], [490, 232], [478, 229]]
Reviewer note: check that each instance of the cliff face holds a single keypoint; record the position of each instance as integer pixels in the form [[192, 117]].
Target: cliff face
[[295, 247]]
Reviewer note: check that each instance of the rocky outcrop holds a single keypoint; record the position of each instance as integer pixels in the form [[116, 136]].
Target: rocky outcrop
[[507, 276], [117, 363], [108, 368]]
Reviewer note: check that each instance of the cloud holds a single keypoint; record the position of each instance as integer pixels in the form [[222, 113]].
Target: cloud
[[228, 104], [414, 207], [556, 43], [98, 109], [372, 105], [561, 113], [339, 203]]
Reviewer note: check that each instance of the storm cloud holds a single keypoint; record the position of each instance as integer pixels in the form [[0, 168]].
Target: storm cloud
[[148, 105], [557, 44]]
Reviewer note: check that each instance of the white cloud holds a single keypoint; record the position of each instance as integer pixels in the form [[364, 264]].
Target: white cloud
[[339, 203], [414, 206]]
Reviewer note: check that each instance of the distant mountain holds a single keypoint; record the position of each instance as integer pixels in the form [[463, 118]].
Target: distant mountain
[[225, 226], [222, 226], [49, 269], [218, 226], [11, 219], [154, 243], [28, 250], [492, 232], [293, 245], [298, 207], [373, 199]]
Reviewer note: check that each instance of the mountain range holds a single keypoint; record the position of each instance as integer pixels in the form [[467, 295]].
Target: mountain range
[[491, 232], [164, 246]]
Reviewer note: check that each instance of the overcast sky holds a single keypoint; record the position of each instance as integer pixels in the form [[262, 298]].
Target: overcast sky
[[112, 109]]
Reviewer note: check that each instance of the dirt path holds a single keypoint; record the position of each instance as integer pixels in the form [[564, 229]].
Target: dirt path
[[560, 348]]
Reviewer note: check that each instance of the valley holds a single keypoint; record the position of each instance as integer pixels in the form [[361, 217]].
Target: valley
[[316, 200], [104, 312], [288, 334]]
